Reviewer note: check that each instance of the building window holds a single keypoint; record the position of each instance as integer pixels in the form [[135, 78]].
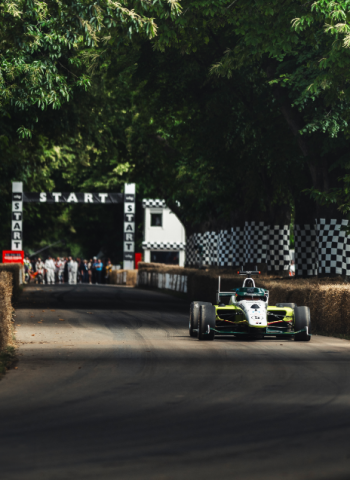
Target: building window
[[156, 220], [169, 258]]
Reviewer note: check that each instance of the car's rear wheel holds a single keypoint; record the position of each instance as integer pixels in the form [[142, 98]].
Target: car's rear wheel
[[290, 305], [302, 320], [194, 317], [206, 322]]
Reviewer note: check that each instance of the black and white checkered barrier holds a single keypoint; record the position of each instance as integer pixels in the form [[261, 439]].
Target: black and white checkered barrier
[[306, 256], [162, 246], [241, 245], [277, 247], [333, 247], [192, 249], [237, 254], [210, 248], [153, 203], [323, 248], [255, 240], [224, 248]]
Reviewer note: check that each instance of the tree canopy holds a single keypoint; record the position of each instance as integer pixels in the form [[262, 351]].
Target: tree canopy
[[230, 111]]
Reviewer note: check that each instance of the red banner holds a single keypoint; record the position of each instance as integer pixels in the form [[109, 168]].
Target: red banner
[[12, 256]]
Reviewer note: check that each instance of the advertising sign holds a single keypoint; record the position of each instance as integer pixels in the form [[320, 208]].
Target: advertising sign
[[12, 256]]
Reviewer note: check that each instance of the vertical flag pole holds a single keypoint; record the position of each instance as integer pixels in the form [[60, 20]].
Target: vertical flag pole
[[129, 226], [17, 216]]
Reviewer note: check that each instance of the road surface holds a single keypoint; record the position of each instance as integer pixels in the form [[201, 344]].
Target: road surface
[[110, 386]]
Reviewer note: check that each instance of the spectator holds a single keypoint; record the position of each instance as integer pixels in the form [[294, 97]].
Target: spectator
[[90, 271], [72, 271], [94, 274], [292, 269], [50, 271], [57, 270], [33, 262], [81, 271], [78, 270], [108, 271], [39, 268], [62, 264], [85, 271], [27, 268], [99, 267], [65, 276]]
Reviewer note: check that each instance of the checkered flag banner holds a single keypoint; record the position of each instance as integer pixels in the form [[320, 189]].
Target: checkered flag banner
[[255, 240], [148, 202], [255, 243], [193, 244], [237, 247], [163, 246], [223, 248], [305, 243], [277, 252], [190, 251], [210, 248], [333, 247]]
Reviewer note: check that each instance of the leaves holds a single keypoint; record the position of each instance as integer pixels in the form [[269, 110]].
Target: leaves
[[43, 44]]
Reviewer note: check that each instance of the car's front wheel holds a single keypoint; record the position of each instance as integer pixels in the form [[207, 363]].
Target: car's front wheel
[[194, 317], [206, 323], [302, 320]]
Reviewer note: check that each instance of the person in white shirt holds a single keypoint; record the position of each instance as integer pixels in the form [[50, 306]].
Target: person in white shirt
[[39, 270], [50, 271], [72, 271], [61, 263]]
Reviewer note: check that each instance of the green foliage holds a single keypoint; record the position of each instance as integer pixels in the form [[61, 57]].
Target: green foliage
[[231, 111], [48, 48]]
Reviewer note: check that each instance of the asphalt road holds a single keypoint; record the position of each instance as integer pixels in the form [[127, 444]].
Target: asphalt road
[[110, 386]]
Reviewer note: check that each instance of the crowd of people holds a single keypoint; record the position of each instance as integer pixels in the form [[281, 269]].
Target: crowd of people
[[66, 270]]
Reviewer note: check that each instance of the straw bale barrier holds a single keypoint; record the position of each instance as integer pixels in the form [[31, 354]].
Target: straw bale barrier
[[328, 298], [123, 277], [5, 310], [16, 270]]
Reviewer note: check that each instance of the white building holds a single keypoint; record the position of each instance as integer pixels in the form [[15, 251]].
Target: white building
[[164, 234]]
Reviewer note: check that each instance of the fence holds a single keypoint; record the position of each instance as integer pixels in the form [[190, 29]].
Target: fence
[[164, 281], [321, 248]]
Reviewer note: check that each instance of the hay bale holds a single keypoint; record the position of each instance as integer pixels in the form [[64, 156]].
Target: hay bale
[[5, 310], [131, 278], [124, 277], [16, 270]]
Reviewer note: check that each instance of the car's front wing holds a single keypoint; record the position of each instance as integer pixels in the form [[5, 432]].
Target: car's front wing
[[269, 331]]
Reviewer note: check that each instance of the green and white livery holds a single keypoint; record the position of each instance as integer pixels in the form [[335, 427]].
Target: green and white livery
[[247, 312]]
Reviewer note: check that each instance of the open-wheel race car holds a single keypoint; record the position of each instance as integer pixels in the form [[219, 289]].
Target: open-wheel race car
[[249, 314]]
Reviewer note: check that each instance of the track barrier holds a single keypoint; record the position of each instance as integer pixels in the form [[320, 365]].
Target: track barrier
[[328, 298]]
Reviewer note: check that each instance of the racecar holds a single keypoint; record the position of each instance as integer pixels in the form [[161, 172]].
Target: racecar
[[247, 313]]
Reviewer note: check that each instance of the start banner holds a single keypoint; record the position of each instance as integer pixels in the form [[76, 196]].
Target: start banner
[[69, 197]]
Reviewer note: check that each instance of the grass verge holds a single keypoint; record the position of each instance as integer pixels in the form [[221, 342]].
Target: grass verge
[[7, 358]]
